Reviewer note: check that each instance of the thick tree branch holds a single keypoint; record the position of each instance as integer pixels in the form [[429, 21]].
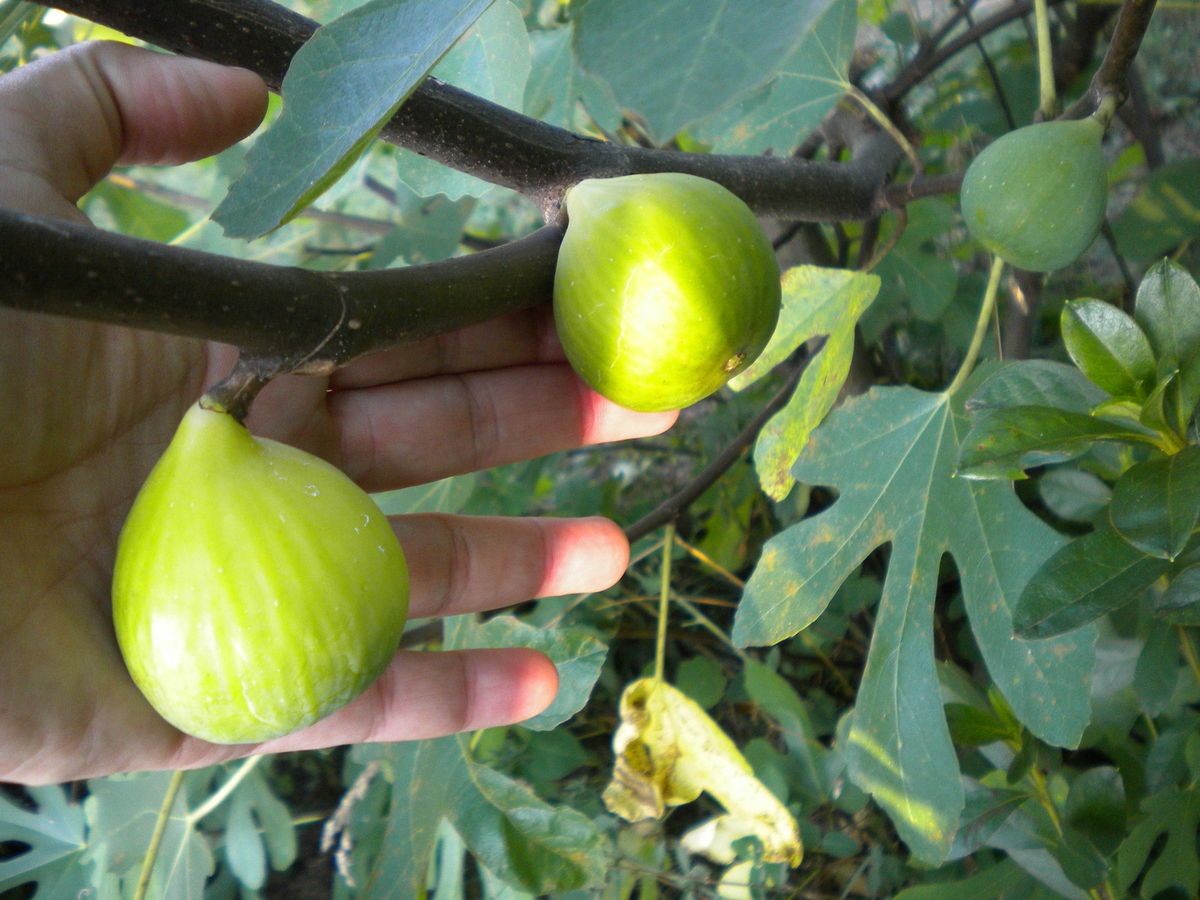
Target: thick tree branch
[[499, 145], [289, 319]]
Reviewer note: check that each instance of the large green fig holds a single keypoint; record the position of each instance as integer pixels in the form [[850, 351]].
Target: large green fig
[[256, 588], [1036, 196], [666, 287]]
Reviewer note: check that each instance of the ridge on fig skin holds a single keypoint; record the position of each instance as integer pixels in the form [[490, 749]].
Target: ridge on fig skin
[[256, 587]]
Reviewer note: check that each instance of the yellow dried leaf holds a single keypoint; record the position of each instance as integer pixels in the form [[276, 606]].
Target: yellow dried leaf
[[669, 751]]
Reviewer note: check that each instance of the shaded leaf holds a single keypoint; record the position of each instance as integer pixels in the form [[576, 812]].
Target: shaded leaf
[[577, 654], [998, 882], [1176, 816], [1035, 382], [890, 454], [243, 845], [702, 680], [1180, 602], [775, 696], [490, 60], [1089, 577], [518, 837], [340, 89], [816, 301], [1096, 807], [805, 87], [1074, 495], [448, 495], [669, 752], [1156, 504], [677, 61], [1164, 214], [1003, 443], [1108, 346], [558, 87], [55, 835], [121, 812]]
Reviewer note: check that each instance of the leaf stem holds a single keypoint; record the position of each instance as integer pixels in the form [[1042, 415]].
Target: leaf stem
[[1048, 102], [981, 326], [664, 603], [160, 827], [223, 792]]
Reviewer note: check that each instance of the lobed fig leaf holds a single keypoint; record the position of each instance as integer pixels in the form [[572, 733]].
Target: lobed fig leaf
[[1036, 196], [256, 587], [666, 287]]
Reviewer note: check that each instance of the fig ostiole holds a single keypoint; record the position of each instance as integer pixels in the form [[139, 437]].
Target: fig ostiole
[[1036, 196], [256, 588], [666, 287]]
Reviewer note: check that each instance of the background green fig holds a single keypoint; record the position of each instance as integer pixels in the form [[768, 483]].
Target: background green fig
[[257, 588], [1036, 196], [666, 288]]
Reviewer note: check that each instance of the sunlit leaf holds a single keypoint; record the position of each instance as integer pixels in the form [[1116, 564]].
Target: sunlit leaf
[[816, 302], [891, 455], [340, 89]]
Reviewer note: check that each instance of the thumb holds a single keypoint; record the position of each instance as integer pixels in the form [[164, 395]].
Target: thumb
[[67, 119]]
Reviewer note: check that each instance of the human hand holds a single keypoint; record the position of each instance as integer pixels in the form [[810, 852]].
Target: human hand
[[89, 408]]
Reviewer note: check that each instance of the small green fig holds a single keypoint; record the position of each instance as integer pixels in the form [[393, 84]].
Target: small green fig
[[256, 587], [666, 288], [1036, 196]]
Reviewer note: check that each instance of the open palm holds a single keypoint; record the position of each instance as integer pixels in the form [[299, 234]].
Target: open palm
[[88, 409]]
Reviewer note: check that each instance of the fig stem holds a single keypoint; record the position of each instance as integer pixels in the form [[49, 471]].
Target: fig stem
[[160, 827], [981, 327], [236, 392], [1048, 99], [664, 603]]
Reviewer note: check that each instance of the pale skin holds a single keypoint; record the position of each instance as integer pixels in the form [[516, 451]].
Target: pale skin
[[89, 408]]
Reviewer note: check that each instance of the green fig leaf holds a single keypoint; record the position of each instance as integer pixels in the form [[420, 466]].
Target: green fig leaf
[[890, 455], [1003, 443], [518, 837], [490, 60], [341, 88], [1035, 382], [122, 811], [560, 92], [1156, 504], [1164, 214], [578, 655], [54, 833], [1180, 602], [679, 60], [816, 301], [806, 85], [1172, 814], [1109, 347], [1089, 577], [1168, 310]]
